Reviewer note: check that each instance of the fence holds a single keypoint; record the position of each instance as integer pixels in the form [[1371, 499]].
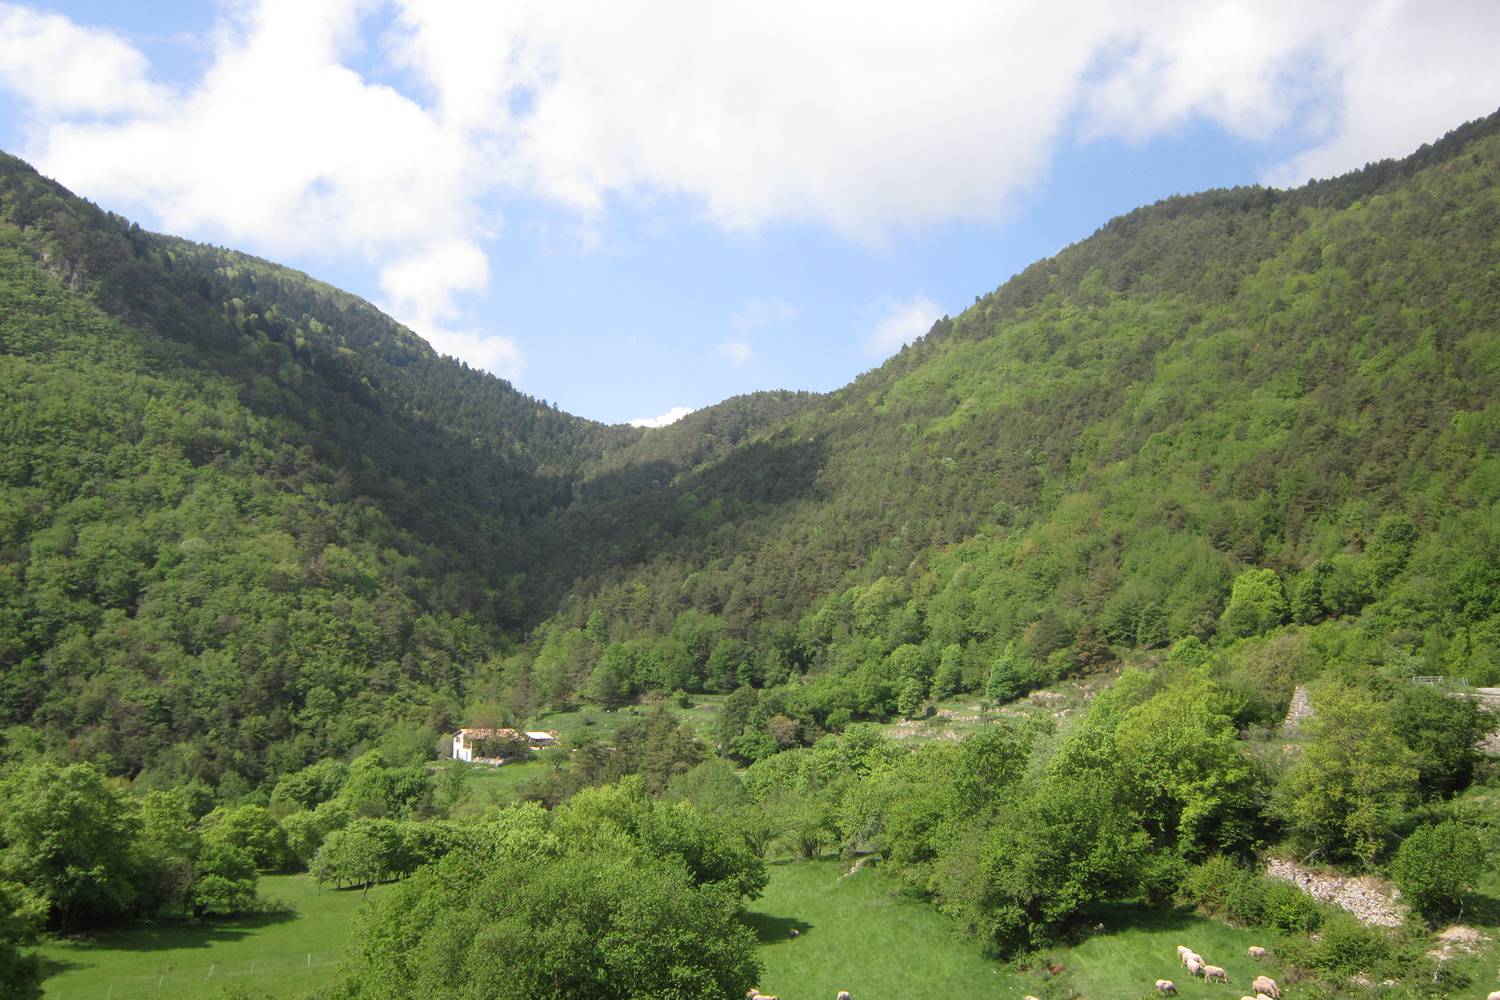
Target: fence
[[305, 970]]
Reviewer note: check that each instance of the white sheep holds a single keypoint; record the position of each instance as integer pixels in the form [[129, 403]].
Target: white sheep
[[1166, 987], [1266, 985], [1256, 951], [1194, 964], [1494, 996], [1214, 972], [844, 995]]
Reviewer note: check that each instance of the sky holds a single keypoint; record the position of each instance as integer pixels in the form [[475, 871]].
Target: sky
[[634, 209]]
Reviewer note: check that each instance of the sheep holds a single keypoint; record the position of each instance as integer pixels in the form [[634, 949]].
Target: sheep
[[1214, 972], [1494, 996], [1266, 985], [844, 995], [794, 932], [1256, 951], [1166, 987], [1183, 951], [1194, 964], [1261, 996]]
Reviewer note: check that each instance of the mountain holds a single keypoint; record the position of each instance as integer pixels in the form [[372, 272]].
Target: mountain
[[249, 521]]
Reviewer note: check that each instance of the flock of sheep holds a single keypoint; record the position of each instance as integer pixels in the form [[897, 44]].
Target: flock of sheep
[[1264, 986]]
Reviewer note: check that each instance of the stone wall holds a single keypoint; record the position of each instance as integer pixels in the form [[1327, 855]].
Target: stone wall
[[1300, 711]]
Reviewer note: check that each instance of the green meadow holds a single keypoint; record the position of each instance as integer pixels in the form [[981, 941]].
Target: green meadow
[[279, 954], [862, 933]]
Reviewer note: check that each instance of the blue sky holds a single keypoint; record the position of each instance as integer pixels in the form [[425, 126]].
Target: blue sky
[[634, 207]]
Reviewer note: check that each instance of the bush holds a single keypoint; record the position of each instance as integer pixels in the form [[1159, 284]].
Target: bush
[[1289, 909], [1207, 886], [1435, 867]]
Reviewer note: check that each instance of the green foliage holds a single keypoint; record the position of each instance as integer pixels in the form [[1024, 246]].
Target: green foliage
[[251, 829], [1257, 604], [19, 922], [639, 904], [226, 880], [1437, 866], [1197, 790], [67, 839], [1442, 732], [1353, 769]]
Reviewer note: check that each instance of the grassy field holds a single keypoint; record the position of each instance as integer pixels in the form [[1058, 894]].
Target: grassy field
[[283, 955], [861, 934]]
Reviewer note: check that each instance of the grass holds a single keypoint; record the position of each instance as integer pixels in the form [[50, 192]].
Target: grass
[[281, 954], [862, 934]]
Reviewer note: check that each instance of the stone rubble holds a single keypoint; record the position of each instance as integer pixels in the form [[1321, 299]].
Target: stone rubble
[[1371, 901]]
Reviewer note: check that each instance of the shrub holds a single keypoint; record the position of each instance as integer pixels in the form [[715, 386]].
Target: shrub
[[1288, 908], [1435, 867]]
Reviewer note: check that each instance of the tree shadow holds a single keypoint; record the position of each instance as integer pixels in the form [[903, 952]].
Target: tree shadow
[[1106, 919], [771, 929], [169, 935]]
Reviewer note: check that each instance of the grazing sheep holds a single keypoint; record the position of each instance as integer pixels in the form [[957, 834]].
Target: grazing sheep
[[1194, 964], [1166, 987], [1495, 995], [1214, 972], [1256, 951], [844, 995], [1266, 985], [1261, 996], [794, 932], [752, 993]]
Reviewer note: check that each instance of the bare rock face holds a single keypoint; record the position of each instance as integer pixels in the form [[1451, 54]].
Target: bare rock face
[[1299, 712], [1371, 901]]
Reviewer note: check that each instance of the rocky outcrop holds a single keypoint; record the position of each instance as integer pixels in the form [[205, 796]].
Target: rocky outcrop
[[1370, 900]]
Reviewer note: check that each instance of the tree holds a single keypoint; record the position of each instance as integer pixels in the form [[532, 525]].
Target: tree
[[167, 850], [251, 829], [1353, 769], [226, 882], [1443, 732], [20, 920], [597, 926], [68, 838], [1437, 866], [1257, 604], [1196, 787]]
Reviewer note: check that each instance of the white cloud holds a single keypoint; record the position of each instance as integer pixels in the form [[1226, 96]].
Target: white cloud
[[736, 352], [865, 118], [673, 415], [902, 323], [757, 312], [1408, 72], [60, 68]]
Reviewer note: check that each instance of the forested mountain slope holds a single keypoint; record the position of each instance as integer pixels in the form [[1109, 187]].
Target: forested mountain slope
[[1298, 381], [242, 509], [249, 521]]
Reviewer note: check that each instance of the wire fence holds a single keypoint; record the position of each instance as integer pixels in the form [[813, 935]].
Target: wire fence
[[206, 980]]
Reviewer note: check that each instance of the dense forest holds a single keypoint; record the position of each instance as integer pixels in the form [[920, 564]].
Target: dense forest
[[260, 547]]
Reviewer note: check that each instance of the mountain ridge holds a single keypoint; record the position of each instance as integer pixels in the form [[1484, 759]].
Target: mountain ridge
[[1083, 464]]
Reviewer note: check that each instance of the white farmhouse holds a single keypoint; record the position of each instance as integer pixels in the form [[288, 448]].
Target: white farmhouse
[[465, 739]]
